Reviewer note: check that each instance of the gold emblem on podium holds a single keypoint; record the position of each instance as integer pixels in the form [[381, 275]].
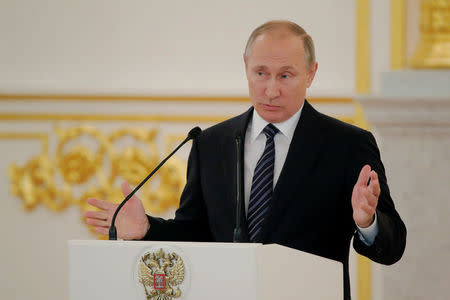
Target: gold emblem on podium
[[161, 274]]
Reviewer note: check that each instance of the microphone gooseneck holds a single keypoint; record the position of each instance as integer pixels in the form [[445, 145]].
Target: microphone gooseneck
[[192, 135], [237, 234]]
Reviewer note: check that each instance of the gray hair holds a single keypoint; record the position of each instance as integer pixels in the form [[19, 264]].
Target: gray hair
[[291, 27]]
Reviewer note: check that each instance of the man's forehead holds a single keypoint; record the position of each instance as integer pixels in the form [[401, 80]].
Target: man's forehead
[[284, 51]]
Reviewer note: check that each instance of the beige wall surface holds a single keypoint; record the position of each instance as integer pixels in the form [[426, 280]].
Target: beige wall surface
[[168, 47]]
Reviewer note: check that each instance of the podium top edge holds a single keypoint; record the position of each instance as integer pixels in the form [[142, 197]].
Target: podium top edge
[[162, 243]]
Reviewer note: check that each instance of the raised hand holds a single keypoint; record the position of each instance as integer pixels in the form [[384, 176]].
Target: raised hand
[[365, 197], [131, 221]]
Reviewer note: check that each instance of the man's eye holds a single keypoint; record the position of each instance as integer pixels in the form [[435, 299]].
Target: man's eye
[[285, 76], [260, 73]]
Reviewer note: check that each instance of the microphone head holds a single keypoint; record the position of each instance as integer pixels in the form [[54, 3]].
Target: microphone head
[[194, 133], [238, 135]]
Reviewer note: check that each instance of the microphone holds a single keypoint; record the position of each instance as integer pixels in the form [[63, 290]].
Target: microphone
[[192, 135], [237, 234]]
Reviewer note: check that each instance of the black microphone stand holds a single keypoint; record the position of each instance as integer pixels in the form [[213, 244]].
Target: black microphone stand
[[237, 234], [112, 229]]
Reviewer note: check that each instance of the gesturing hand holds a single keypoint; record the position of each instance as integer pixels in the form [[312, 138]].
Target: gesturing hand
[[365, 197], [131, 221]]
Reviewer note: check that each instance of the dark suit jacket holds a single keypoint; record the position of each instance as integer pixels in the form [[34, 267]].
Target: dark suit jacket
[[311, 204]]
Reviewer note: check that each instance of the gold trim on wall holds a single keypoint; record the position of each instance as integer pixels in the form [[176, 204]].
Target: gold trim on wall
[[158, 118], [364, 278], [87, 97], [98, 117], [106, 97], [42, 137], [362, 74], [362, 86], [398, 34]]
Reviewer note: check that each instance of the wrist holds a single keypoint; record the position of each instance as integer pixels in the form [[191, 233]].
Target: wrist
[[368, 223]]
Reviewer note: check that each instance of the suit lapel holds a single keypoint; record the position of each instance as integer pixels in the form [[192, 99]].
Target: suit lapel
[[300, 160]]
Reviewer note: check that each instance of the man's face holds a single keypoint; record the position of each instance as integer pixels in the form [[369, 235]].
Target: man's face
[[277, 76]]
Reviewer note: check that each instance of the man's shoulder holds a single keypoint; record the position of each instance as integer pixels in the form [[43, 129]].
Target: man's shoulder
[[231, 127], [339, 130]]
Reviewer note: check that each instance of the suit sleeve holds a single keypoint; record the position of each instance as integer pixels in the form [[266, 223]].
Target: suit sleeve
[[389, 244], [191, 220]]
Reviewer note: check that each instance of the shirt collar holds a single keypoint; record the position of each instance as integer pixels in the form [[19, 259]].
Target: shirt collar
[[287, 127]]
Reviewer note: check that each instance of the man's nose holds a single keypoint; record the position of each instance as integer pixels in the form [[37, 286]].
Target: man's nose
[[272, 89]]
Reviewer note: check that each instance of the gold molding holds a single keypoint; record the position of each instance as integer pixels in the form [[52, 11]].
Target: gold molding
[[106, 97], [156, 118], [29, 136], [150, 98], [398, 34], [362, 74], [362, 85], [364, 278], [97, 117]]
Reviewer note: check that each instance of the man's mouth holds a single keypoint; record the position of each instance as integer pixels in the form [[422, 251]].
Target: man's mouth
[[270, 107]]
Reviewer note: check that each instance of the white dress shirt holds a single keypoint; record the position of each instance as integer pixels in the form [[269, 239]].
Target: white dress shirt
[[255, 141]]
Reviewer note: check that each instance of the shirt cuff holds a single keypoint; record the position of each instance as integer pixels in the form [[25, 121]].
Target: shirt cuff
[[367, 235]]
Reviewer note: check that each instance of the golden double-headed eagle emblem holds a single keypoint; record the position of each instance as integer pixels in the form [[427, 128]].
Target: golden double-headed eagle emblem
[[161, 274]]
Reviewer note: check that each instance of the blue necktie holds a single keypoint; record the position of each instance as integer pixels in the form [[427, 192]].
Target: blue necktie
[[262, 185]]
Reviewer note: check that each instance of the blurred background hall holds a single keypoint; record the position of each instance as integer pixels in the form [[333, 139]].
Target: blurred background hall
[[96, 92]]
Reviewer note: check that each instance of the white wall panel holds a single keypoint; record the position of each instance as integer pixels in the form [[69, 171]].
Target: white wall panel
[[170, 47]]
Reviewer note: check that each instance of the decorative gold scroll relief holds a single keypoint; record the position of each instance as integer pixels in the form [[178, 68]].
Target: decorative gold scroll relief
[[433, 50], [88, 163]]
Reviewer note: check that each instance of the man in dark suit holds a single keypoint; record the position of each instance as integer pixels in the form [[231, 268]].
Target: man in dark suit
[[311, 182]]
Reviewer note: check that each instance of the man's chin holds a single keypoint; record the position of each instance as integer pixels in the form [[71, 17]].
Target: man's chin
[[271, 116]]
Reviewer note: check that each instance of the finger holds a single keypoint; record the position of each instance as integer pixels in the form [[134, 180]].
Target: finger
[[98, 223], [102, 204], [102, 230], [101, 215], [364, 176], [374, 185]]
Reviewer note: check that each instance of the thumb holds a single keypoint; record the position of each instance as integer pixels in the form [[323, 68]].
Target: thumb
[[126, 189]]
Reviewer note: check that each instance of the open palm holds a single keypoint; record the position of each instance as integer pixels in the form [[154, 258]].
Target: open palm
[[131, 221], [365, 197]]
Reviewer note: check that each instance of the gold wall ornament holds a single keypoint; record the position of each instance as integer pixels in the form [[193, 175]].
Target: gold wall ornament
[[133, 164], [78, 164], [34, 183], [161, 273], [88, 163], [433, 50]]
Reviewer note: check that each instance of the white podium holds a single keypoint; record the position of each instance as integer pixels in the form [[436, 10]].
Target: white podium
[[111, 270]]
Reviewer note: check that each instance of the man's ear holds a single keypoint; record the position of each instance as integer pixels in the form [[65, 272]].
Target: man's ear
[[312, 73]]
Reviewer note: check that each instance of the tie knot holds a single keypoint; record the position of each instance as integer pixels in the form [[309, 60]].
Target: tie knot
[[270, 130]]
